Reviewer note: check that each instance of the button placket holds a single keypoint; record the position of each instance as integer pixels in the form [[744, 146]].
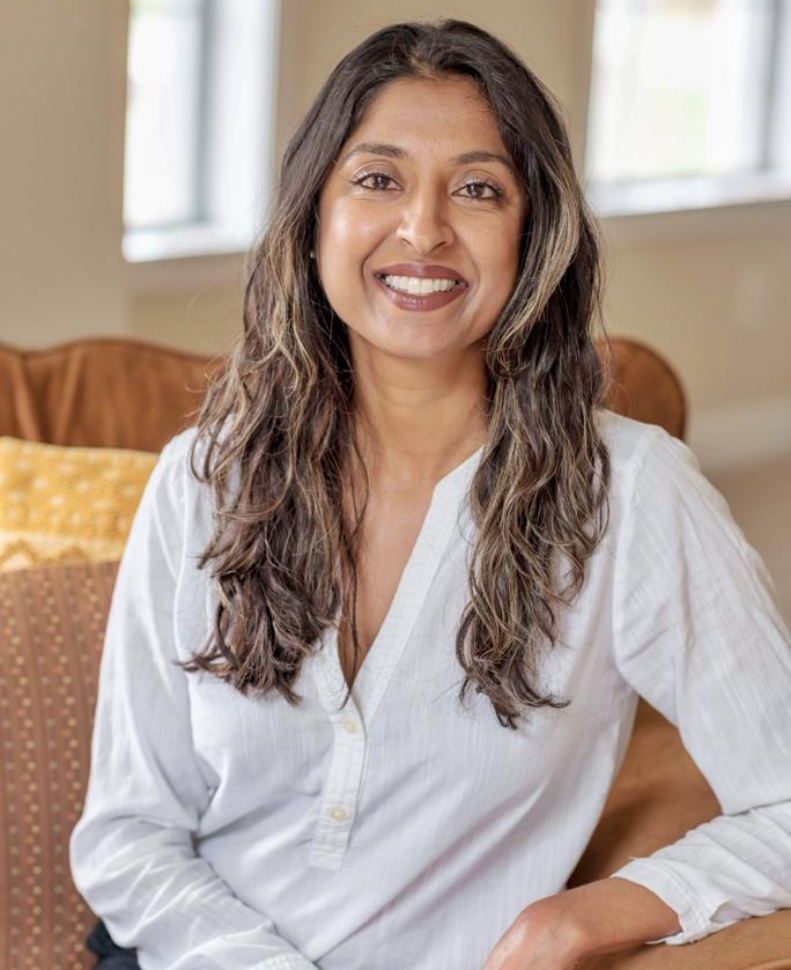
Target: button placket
[[338, 808]]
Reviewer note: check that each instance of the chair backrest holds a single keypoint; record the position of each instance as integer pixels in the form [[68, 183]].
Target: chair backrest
[[644, 385], [100, 392], [120, 392]]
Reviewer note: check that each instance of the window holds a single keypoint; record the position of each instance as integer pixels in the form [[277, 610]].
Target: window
[[690, 104], [199, 125]]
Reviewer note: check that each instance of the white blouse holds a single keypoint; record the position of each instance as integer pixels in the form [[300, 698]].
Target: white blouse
[[408, 831]]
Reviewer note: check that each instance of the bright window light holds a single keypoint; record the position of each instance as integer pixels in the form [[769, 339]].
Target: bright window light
[[201, 98], [688, 90], [163, 118]]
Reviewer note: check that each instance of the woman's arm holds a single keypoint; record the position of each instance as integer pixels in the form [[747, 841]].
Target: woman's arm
[[131, 852], [555, 933], [697, 633]]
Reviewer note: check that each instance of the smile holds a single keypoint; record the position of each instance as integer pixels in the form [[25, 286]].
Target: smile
[[419, 285], [420, 294]]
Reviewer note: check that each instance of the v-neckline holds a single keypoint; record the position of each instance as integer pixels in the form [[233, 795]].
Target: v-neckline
[[385, 651]]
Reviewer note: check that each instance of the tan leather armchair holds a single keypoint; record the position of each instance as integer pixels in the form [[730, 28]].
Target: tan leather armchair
[[123, 393]]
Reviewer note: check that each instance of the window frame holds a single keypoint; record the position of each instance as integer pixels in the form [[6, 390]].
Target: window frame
[[207, 250], [702, 206]]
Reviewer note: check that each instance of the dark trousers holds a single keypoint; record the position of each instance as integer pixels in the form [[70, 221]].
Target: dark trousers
[[111, 956]]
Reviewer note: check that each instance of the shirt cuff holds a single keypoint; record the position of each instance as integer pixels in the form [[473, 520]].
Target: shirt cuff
[[660, 879]]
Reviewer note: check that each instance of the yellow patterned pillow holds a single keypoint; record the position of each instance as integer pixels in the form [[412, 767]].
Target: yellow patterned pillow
[[62, 504]]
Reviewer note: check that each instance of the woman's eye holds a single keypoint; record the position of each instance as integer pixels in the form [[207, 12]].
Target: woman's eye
[[479, 186], [496, 193], [371, 175]]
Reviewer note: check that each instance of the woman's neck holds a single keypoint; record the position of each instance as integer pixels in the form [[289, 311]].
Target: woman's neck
[[416, 420]]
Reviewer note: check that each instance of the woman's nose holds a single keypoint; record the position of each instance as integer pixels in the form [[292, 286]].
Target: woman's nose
[[424, 221]]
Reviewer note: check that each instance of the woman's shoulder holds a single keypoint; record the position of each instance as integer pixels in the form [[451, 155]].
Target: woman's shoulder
[[177, 449], [626, 438], [658, 487], [178, 483], [650, 467], [186, 451], [634, 446], [172, 477], [184, 503]]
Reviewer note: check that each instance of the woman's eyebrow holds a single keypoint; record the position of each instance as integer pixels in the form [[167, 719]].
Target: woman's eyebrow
[[466, 158]]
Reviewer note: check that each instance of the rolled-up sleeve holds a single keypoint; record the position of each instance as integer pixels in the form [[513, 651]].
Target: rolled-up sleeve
[[132, 851], [698, 634]]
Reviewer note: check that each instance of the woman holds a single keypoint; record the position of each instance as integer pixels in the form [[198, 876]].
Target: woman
[[404, 485]]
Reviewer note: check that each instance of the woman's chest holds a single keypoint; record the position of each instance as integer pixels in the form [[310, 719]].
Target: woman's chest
[[387, 538], [406, 733]]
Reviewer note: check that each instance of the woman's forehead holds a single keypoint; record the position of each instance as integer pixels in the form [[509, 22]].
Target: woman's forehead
[[411, 117], [406, 96]]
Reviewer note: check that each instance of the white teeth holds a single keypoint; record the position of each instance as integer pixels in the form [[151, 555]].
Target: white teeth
[[419, 285]]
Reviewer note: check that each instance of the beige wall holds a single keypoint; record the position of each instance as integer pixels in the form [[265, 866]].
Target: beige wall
[[62, 94], [718, 306], [712, 295]]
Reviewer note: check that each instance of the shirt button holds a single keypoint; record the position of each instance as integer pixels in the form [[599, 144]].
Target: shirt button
[[339, 813], [350, 725]]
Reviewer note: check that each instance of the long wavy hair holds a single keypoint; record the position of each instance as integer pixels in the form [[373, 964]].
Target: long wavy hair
[[277, 419]]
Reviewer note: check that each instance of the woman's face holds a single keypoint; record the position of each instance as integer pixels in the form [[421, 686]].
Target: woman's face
[[402, 200]]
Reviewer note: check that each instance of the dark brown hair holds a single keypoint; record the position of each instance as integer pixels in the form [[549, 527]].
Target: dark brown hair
[[277, 419]]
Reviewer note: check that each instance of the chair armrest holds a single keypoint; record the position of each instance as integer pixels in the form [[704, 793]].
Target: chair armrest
[[758, 943]]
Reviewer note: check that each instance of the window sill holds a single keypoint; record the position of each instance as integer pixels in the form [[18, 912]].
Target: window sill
[[184, 259], [693, 208]]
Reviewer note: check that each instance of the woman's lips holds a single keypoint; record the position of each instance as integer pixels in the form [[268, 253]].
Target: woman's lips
[[420, 302]]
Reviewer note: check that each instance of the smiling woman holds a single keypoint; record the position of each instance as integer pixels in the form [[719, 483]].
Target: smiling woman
[[422, 322], [404, 484], [421, 197]]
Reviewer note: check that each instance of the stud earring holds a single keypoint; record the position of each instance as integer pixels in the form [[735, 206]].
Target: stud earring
[[312, 254]]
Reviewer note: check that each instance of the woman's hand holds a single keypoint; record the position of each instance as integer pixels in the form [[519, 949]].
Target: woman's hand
[[542, 937], [557, 932]]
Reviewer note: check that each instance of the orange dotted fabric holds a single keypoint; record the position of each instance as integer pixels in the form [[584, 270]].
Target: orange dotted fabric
[[52, 622], [64, 504]]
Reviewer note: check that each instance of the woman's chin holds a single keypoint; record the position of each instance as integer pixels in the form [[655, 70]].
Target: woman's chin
[[411, 346]]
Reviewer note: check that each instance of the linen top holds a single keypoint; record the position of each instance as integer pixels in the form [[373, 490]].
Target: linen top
[[408, 830]]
